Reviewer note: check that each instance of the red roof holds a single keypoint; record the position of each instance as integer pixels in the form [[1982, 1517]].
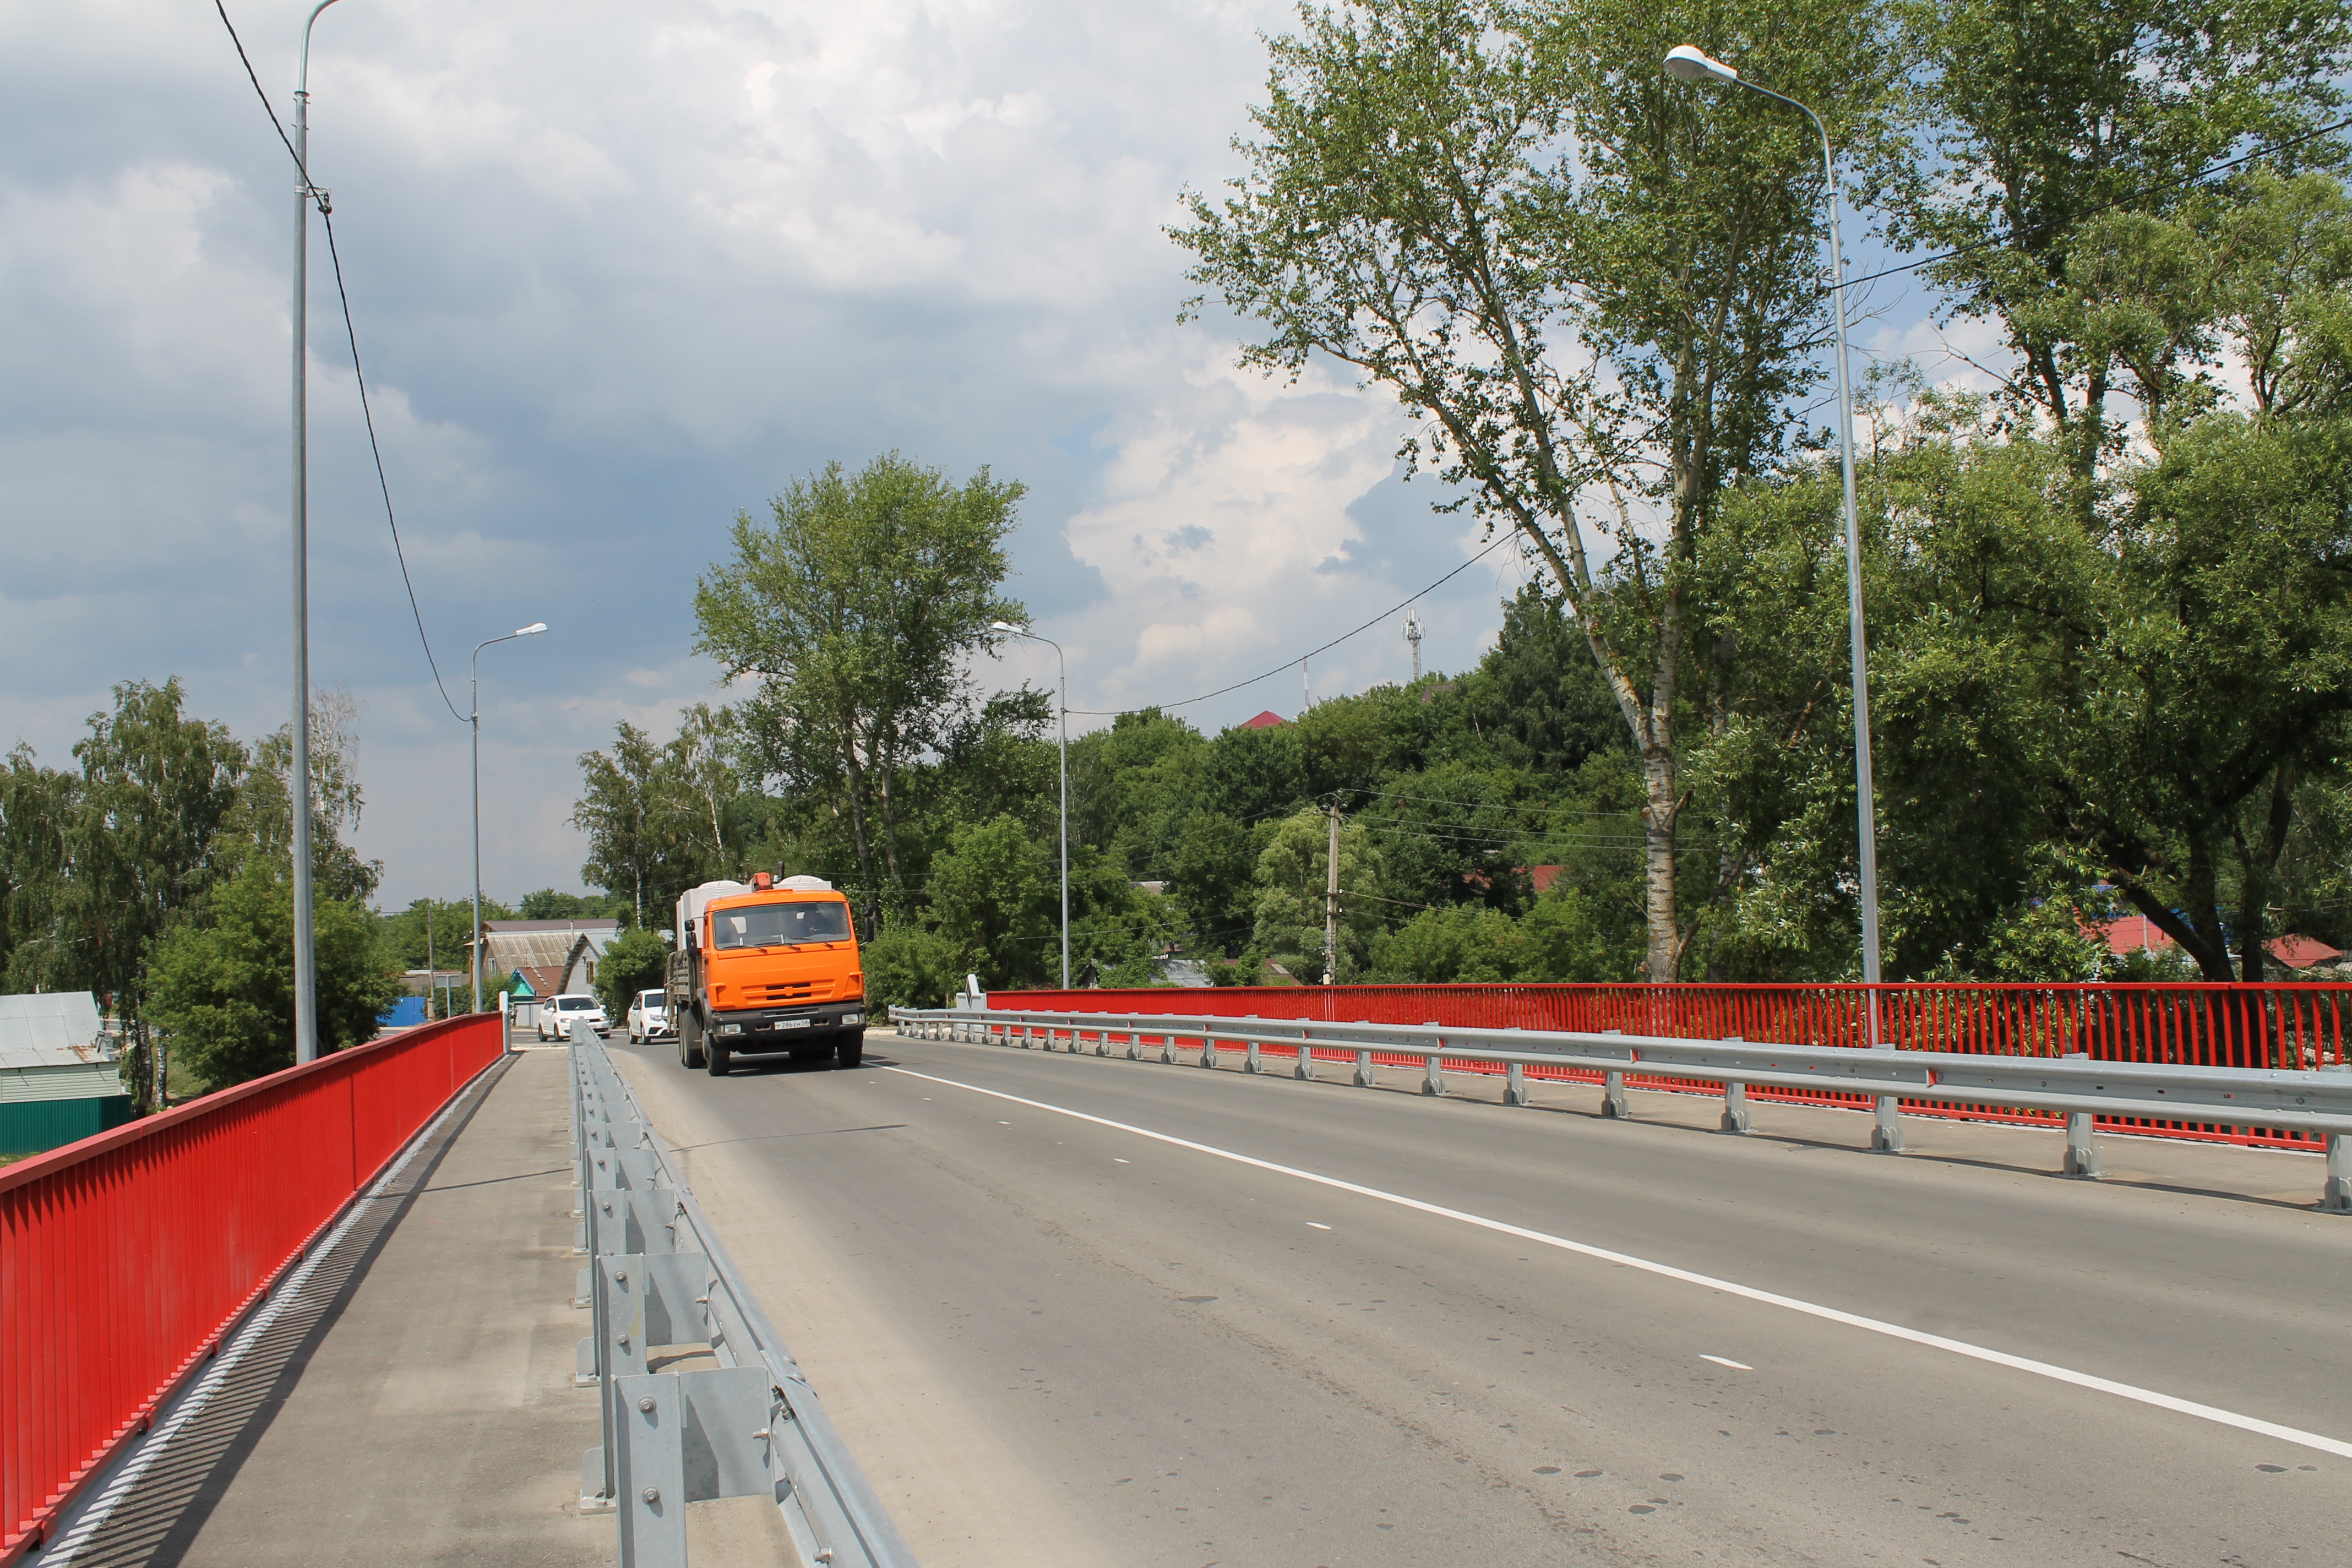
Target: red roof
[[1266, 721], [2300, 952], [1543, 876], [2137, 934]]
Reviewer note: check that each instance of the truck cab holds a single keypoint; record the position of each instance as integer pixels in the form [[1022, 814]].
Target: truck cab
[[767, 968]]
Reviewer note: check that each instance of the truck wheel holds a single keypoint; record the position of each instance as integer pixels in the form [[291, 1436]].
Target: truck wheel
[[720, 1058], [850, 1049], [690, 1043]]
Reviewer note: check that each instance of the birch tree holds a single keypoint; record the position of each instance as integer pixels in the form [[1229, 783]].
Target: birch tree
[[1594, 291]]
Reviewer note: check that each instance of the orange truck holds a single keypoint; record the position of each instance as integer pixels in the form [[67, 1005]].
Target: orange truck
[[769, 968]]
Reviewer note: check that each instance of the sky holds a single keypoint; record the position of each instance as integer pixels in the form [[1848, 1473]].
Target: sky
[[618, 272]]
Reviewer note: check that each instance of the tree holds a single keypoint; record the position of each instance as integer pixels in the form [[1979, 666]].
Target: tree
[[907, 966], [1597, 339], [618, 810], [263, 819], [2040, 119], [995, 896], [855, 607], [222, 981], [1293, 872], [142, 832], [639, 962]]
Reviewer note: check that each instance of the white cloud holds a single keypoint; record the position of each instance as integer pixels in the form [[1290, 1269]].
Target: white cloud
[[621, 269]]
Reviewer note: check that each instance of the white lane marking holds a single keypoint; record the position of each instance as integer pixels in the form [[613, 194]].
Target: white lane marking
[[1668, 1271], [1727, 1360], [1319, 1225], [1116, 1161]]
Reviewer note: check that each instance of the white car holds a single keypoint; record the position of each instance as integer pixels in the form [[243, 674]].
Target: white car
[[649, 1017], [557, 1014]]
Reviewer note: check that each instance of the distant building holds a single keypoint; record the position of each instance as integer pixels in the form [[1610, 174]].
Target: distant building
[[1266, 721], [59, 1081], [2137, 934], [551, 956]]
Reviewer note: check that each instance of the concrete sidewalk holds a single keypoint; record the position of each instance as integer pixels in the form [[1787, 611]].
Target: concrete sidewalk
[[414, 1403]]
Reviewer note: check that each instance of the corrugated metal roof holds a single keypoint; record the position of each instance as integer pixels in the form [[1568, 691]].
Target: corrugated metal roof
[[56, 1028]]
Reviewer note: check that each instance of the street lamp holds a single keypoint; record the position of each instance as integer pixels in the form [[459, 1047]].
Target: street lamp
[[1688, 64], [298, 783], [474, 721], [1062, 712]]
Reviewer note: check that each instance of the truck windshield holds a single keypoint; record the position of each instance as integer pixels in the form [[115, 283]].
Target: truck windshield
[[779, 925]]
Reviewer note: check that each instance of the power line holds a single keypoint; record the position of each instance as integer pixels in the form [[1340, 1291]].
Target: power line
[[1113, 712], [351, 333]]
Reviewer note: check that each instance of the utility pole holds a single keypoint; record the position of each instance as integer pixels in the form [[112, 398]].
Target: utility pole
[[1413, 637], [1332, 902]]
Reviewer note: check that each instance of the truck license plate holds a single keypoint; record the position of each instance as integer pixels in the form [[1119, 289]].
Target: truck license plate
[[792, 1023]]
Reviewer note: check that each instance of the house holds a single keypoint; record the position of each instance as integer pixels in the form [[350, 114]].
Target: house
[[60, 1080], [2137, 934], [551, 956], [1266, 721]]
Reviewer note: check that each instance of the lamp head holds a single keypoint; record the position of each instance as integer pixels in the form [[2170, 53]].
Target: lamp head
[[1002, 627], [1687, 63], [532, 630]]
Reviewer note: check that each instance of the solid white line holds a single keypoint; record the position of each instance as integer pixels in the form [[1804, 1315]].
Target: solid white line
[[1727, 1360], [1747, 1293], [1319, 1225]]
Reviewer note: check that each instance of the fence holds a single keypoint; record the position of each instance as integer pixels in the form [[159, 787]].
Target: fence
[[127, 1258], [2278, 1026]]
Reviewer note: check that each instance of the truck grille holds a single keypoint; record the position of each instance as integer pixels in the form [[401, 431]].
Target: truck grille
[[795, 991]]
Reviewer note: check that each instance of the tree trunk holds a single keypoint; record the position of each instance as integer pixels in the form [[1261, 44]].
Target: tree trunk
[[1660, 807]]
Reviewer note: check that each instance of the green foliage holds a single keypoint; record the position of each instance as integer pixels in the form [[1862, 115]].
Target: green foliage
[[856, 607], [1293, 878], [995, 896], [222, 981], [1583, 339], [907, 966], [438, 930], [636, 963], [661, 819]]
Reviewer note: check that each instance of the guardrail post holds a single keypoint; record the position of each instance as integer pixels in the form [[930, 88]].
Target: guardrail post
[[1735, 1108], [1167, 1050], [1304, 1067], [2337, 1197], [2082, 1146], [1514, 1084], [1614, 1106], [1887, 1125], [1134, 1045], [1251, 1060], [1363, 1070], [1208, 1050], [1433, 1076]]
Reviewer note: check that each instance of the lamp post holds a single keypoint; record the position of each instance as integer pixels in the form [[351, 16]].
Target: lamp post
[[1062, 714], [1688, 64], [298, 783], [474, 722]]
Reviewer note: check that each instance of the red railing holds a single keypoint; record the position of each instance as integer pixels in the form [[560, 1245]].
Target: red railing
[[2290, 1026], [126, 1258]]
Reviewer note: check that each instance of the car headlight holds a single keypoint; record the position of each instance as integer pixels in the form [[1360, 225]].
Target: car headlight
[[847, 1019], [731, 1028]]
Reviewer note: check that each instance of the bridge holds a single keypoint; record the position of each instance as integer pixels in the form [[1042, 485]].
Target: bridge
[[1065, 1299]]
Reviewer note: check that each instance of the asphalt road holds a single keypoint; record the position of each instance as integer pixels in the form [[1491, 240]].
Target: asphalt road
[[1054, 1341]]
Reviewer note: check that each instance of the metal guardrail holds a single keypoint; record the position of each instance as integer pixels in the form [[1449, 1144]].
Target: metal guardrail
[[2316, 1103], [741, 1421]]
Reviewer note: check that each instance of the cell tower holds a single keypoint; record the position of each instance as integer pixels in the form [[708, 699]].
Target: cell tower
[[1413, 636]]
